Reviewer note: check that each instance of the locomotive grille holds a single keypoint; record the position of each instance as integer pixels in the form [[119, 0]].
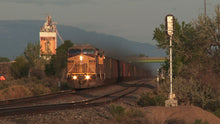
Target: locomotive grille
[[84, 67], [80, 68]]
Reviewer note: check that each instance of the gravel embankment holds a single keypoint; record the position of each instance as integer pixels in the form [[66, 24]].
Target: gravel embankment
[[102, 115]]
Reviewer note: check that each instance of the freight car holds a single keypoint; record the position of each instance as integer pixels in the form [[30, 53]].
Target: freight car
[[88, 67]]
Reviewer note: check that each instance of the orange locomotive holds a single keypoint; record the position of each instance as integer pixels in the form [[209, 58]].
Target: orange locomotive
[[88, 67]]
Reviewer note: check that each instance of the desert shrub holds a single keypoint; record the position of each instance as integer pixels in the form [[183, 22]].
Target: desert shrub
[[4, 59], [4, 84], [20, 68], [39, 89], [217, 112], [199, 121], [14, 91], [213, 105], [10, 82], [134, 112], [148, 99], [51, 83], [64, 86], [118, 112], [38, 73], [145, 100], [175, 121], [34, 85], [194, 91]]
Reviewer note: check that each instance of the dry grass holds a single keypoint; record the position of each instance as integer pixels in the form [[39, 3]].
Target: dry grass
[[11, 89], [122, 113], [14, 91]]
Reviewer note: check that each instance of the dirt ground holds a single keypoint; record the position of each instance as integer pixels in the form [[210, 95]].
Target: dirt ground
[[102, 115], [180, 114]]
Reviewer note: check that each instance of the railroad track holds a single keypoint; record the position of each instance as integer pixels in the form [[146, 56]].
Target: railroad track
[[97, 101], [32, 99]]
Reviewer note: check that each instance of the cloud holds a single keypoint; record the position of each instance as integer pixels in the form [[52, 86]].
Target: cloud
[[49, 2]]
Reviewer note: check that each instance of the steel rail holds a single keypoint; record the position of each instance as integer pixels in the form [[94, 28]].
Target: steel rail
[[78, 104], [13, 102]]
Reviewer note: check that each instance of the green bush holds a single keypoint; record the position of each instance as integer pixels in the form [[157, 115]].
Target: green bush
[[39, 89], [175, 121], [118, 112], [64, 86], [132, 113], [38, 73], [4, 84], [4, 59], [199, 121], [148, 99], [20, 68], [213, 106], [217, 113]]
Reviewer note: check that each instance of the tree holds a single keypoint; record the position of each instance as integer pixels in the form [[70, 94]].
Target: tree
[[20, 68], [182, 40], [195, 42], [59, 61], [32, 53], [4, 59], [196, 59]]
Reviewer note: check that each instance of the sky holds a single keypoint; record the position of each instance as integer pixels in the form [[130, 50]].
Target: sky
[[134, 20]]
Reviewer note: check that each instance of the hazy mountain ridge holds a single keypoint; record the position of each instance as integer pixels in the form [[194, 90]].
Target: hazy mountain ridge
[[14, 36]]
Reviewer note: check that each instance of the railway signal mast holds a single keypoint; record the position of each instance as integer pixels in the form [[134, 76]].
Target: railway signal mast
[[169, 20]]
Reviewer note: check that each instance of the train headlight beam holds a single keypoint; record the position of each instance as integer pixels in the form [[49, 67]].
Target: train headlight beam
[[74, 77], [87, 77]]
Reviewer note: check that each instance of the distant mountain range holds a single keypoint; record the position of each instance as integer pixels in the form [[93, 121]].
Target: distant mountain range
[[14, 36]]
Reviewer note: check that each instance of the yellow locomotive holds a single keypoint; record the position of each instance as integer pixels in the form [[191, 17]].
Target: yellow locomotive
[[88, 67], [85, 66]]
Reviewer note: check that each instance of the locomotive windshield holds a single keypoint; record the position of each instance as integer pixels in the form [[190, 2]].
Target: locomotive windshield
[[88, 51], [74, 51]]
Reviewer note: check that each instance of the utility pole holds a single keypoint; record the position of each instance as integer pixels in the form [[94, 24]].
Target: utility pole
[[205, 8], [170, 29]]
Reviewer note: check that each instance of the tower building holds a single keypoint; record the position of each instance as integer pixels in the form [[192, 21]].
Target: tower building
[[48, 39]]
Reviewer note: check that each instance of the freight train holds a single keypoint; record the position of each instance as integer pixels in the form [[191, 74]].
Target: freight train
[[88, 67]]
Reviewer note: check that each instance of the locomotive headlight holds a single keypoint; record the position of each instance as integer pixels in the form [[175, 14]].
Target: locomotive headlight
[[80, 58], [87, 77], [74, 77]]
